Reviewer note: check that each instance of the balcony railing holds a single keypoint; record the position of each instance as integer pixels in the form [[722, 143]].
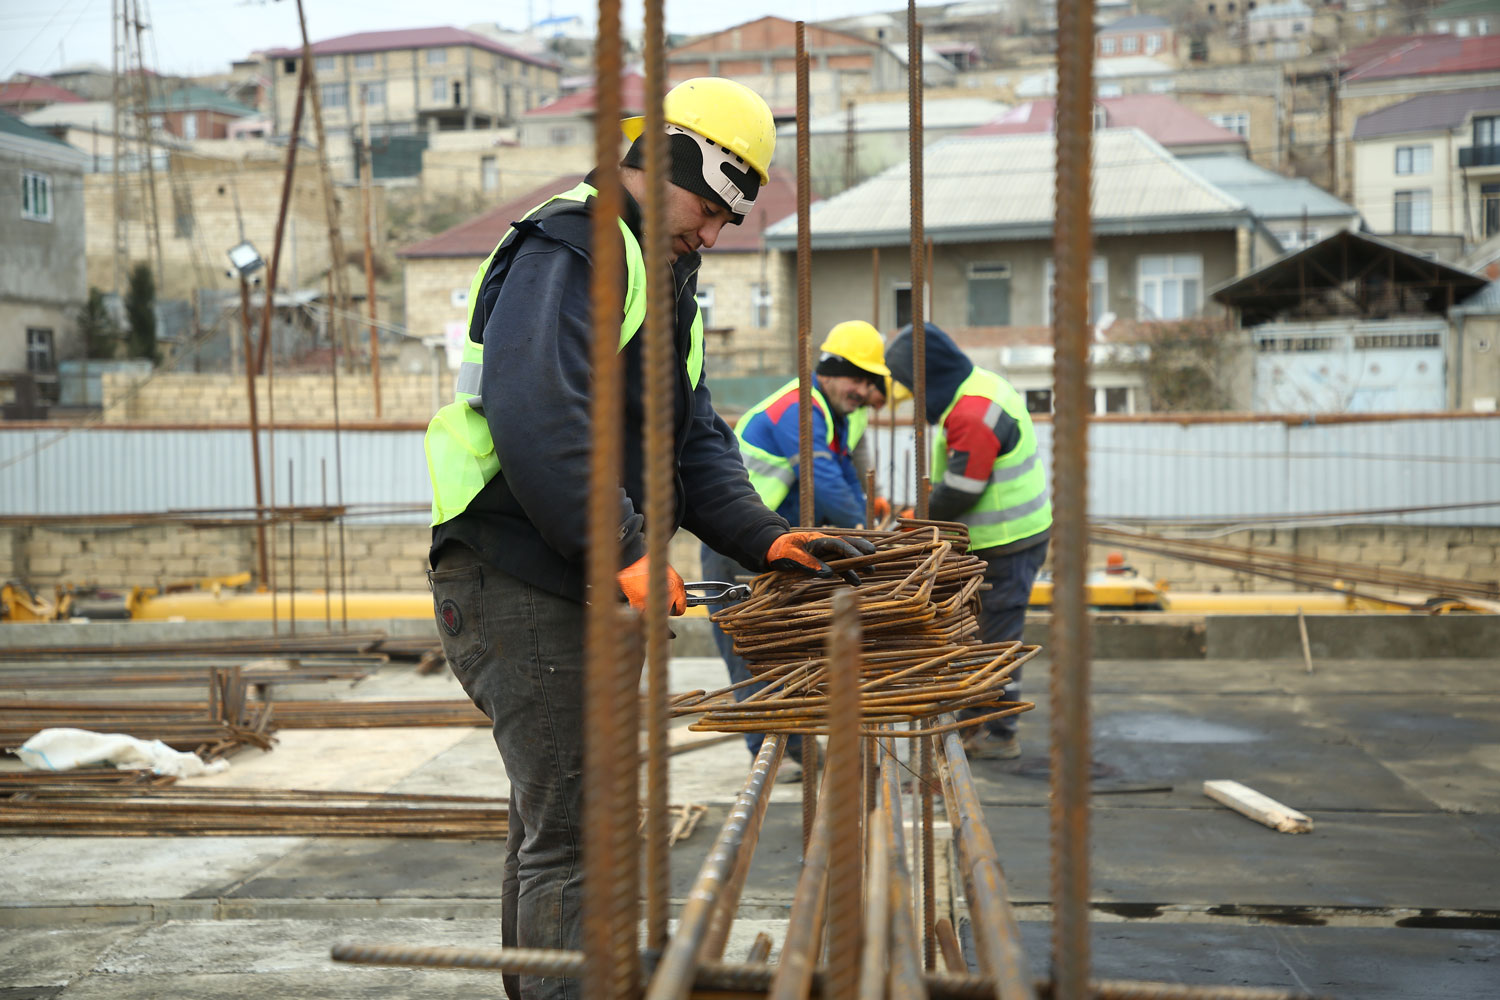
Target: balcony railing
[[1479, 156]]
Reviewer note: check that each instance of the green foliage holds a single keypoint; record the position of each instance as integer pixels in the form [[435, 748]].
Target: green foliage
[[1187, 365], [96, 328], [140, 312]]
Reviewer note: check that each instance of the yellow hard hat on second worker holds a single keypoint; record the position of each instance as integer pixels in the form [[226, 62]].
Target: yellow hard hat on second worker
[[729, 113], [859, 343]]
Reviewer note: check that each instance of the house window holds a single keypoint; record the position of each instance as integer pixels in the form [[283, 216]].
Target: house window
[[1414, 211], [440, 89], [1101, 117], [372, 94], [1161, 86], [335, 95], [1413, 159], [1153, 44], [1038, 400], [1130, 43], [1098, 290], [1170, 286], [706, 304], [489, 173], [1237, 122], [760, 305], [436, 57], [1113, 399], [323, 64], [190, 126], [1461, 29], [561, 136], [1487, 130], [1106, 46], [1489, 209], [1296, 239], [1442, 28], [989, 294], [36, 196], [364, 60], [39, 357]]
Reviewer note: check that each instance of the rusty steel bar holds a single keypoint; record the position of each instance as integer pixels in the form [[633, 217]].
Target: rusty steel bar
[[260, 527], [1070, 752], [804, 317], [610, 774], [929, 878], [291, 548], [660, 482], [953, 955], [760, 949], [905, 981], [810, 765], [997, 936], [875, 287], [727, 905], [841, 794], [799, 953], [756, 977], [366, 211], [273, 266], [918, 315], [674, 974], [872, 974]]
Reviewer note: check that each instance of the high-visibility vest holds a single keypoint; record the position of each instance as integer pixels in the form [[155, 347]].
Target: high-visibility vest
[[461, 457], [1015, 503], [772, 475], [858, 421]]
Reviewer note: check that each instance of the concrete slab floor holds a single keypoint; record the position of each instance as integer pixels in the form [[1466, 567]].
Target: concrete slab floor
[[1396, 761]]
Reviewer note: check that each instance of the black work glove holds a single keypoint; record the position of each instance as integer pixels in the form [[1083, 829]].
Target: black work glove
[[806, 550]]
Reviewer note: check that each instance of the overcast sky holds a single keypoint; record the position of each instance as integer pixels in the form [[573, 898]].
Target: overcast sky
[[203, 36]]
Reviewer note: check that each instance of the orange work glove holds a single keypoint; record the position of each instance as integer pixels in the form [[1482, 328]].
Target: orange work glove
[[882, 508], [907, 512], [632, 580], [806, 550]]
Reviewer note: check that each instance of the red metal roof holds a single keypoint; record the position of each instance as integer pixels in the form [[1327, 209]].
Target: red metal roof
[[1159, 116], [409, 38], [478, 236], [35, 91], [1421, 55], [632, 100]]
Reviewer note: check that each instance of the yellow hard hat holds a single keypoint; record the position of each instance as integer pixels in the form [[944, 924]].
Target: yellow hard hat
[[859, 343], [729, 113], [895, 392]]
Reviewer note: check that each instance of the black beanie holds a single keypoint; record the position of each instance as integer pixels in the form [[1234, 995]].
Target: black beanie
[[686, 169], [832, 364]]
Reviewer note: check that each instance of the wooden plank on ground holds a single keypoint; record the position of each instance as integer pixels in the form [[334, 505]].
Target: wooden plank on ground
[[1261, 808]]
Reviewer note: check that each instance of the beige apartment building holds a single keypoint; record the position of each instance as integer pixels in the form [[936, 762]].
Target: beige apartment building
[[413, 81], [1431, 165]]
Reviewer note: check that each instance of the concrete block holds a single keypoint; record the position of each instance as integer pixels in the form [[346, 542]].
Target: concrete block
[[1382, 554], [46, 565], [1472, 555]]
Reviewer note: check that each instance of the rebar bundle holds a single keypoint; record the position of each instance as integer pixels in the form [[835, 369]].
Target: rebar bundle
[[918, 601]]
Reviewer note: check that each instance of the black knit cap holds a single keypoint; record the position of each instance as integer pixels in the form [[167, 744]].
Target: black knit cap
[[832, 364], [686, 159]]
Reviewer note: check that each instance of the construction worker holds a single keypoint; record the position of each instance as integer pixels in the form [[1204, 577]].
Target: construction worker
[[986, 473], [509, 464], [850, 379]]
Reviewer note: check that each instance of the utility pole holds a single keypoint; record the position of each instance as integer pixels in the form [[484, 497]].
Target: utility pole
[[366, 170], [143, 129], [849, 164], [330, 200], [117, 200]]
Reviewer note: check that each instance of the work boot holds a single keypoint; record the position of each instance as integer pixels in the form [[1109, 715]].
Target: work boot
[[985, 745], [789, 773]]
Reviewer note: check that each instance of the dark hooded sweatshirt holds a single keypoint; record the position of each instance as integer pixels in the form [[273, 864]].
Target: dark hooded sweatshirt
[[947, 367], [533, 319]]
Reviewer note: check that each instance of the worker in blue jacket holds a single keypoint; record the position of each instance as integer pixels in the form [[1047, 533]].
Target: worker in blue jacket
[[849, 381]]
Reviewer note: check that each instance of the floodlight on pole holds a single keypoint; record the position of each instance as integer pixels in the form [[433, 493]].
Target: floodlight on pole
[[245, 259]]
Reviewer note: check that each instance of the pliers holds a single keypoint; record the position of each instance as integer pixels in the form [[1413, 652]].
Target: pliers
[[714, 592]]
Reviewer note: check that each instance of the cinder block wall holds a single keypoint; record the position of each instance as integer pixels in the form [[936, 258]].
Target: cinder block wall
[[394, 557], [302, 398]]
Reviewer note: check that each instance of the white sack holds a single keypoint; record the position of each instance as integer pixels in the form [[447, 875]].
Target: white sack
[[65, 749]]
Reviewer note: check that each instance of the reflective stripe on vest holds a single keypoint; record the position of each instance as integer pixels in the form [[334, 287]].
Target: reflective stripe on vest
[[858, 421], [773, 475], [1015, 502], [461, 457]]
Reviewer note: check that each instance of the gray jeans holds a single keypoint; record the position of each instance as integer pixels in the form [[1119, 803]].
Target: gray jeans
[[518, 652]]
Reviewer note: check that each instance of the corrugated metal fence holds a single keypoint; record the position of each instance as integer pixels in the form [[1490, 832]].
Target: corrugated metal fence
[[1223, 472]]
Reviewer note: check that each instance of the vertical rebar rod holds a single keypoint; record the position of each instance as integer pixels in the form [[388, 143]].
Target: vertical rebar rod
[[810, 762], [870, 498], [1069, 690], [799, 952], [919, 331], [931, 283], [660, 485], [291, 545], [610, 779], [327, 570], [367, 215], [872, 974], [905, 950], [804, 315], [841, 792], [929, 878], [727, 905], [875, 287]]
